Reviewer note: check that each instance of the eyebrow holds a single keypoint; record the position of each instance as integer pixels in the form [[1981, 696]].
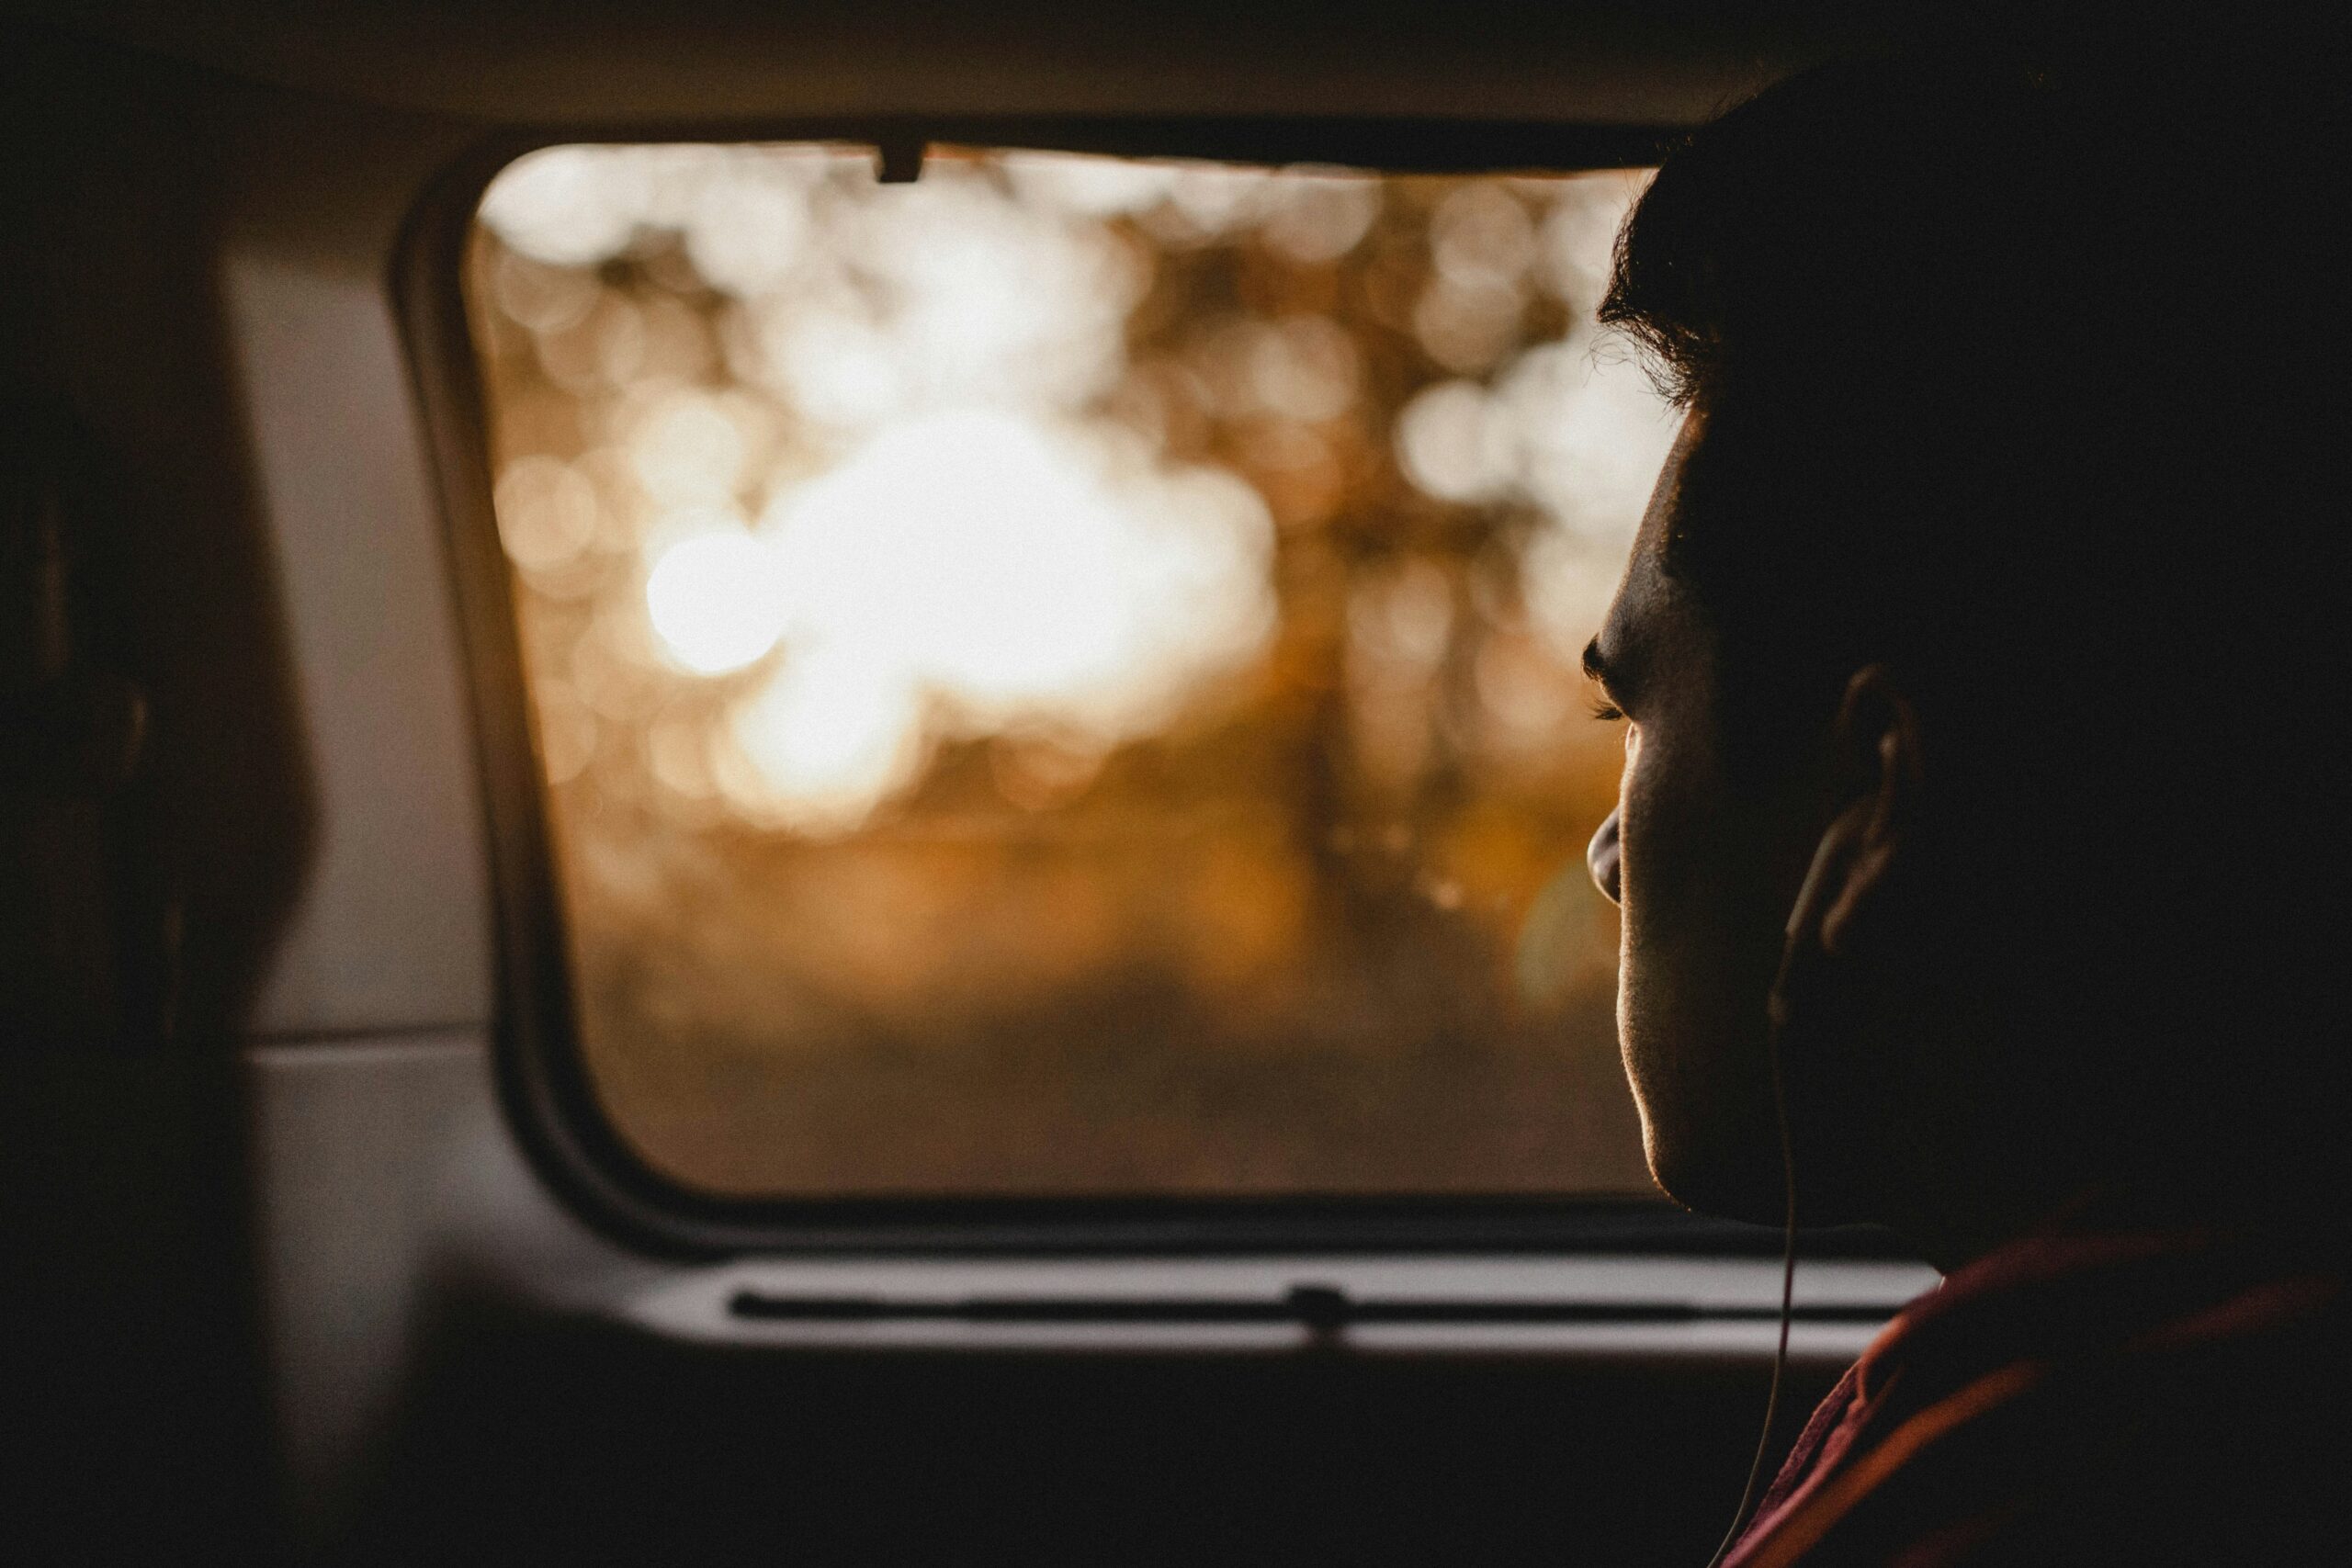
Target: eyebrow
[[1595, 665]]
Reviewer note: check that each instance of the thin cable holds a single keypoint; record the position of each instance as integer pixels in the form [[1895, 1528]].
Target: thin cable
[[1788, 1271]]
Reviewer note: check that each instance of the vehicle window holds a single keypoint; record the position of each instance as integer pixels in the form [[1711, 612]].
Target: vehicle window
[[1060, 678]]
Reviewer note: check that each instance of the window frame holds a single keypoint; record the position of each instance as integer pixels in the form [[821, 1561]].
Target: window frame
[[549, 1097]]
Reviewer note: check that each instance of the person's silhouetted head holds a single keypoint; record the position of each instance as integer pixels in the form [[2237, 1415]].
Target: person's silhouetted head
[[1982, 648]]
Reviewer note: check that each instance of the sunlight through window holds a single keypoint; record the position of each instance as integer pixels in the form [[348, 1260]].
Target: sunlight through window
[[1060, 678]]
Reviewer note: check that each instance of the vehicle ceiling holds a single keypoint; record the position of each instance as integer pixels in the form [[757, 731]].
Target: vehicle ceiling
[[631, 64]]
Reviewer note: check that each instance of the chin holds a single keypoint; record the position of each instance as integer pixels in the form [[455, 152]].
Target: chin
[[1708, 1189], [1737, 1175], [1708, 1125], [1729, 1172]]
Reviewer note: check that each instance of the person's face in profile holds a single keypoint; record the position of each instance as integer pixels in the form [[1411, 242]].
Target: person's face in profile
[[1704, 874]]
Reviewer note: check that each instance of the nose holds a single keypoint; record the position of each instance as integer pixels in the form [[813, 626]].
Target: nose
[[1604, 856]]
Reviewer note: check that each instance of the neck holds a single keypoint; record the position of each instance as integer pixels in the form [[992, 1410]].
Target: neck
[[1964, 1185], [1950, 1237]]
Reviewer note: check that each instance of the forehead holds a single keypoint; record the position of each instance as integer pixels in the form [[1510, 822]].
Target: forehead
[[1650, 619]]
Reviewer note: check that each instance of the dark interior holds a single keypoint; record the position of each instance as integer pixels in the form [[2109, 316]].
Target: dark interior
[[294, 1267]]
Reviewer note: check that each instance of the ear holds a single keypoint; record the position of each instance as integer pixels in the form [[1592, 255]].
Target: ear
[[1874, 779]]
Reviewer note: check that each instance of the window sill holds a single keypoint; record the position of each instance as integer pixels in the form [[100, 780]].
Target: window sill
[[1632, 1307]]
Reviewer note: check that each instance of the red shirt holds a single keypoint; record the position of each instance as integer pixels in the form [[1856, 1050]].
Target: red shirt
[[2085, 1396]]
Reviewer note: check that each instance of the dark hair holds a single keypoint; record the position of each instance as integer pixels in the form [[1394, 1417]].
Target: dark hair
[[2017, 373]]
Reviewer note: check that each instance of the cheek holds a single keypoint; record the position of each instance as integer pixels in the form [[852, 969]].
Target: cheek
[[1684, 943], [1651, 825], [1686, 879], [1697, 949], [1647, 879]]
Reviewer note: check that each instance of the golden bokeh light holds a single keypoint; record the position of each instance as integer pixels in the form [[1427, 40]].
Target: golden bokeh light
[[1061, 677], [717, 601]]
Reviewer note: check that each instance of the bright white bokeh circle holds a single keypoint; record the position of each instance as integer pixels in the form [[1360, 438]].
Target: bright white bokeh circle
[[714, 600]]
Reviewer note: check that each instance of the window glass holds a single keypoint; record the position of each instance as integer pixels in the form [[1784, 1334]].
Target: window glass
[[1060, 678]]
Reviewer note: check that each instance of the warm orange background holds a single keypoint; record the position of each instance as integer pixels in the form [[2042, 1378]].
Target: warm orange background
[[1322, 927]]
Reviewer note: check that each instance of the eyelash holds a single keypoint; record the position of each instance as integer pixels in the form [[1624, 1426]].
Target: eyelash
[[1607, 713]]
